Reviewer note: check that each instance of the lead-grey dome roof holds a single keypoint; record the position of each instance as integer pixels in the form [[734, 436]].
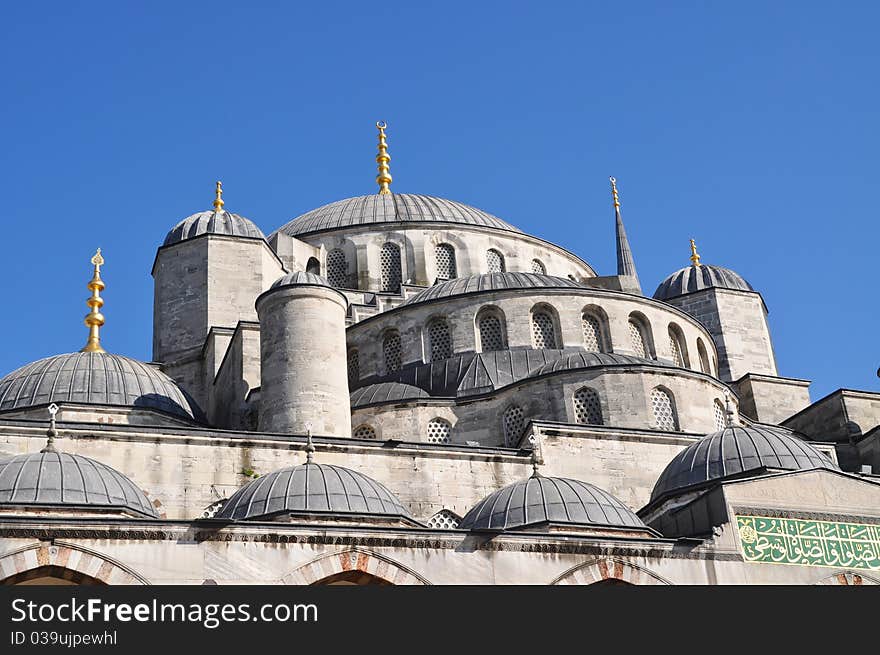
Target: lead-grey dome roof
[[95, 379], [384, 392], [61, 480], [311, 488], [541, 499], [585, 359], [213, 222], [492, 282], [696, 278], [301, 277], [378, 209], [734, 451]]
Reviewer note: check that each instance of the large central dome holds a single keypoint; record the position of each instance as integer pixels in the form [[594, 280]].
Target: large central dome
[[391, 208]]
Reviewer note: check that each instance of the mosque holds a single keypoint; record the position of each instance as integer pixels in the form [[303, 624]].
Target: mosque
[[403, 389]]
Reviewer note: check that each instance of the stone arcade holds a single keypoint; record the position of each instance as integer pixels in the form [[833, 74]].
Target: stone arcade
[[402, 389]]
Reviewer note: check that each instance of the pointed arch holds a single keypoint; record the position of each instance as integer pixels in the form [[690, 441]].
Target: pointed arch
[[609, 568], [67, 560], [354, 559]]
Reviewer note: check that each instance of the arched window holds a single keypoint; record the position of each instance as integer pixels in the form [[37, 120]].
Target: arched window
[[439, 339], [439, 430], [544, 329], [444, 520], [587, 408], [513, 423], [538, 267], [391, 350], [678, 347], [444, 254], [313, 266], [491, 330], [389, 262], [720, 415], [640, 336], [495, 261], [663, 407], [364, 432], [354, 365], [337, 268], [594, 334], [704, 358]]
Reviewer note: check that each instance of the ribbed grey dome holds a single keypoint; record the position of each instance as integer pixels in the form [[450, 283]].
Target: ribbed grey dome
[[555, 500], [94, 379], [696, 278], [734, 451], [61, 480], [311, 488], [385, 391], [590, 359], [376, 209], [492, 282], [301, 277], [213, 222]]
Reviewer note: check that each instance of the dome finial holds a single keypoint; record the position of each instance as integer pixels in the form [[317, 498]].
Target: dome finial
[[536, 455], [51, 433], [218, 196], [95, 319], [695, 257], [731, 416], [383, 179], [310, 447]]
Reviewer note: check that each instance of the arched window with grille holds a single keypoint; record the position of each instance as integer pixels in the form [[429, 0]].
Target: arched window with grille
[[444, 256], [513, 423], [444, 520], [639, 333], [439, 430], [390, 270], [587, 408], [391, 351], [720, 415], [495, 261], [439, 339], [313, 266], [544, 332], [704, 358], [364, 432], [337, 268], [663, 408], [677, 347], [538, 267], [593, 325], [354, 365], [491, 330]]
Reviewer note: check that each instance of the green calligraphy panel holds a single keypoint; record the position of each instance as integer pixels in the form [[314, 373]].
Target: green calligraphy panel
[[809, 543]]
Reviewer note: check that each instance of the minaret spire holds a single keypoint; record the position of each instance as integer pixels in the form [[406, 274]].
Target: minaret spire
[[95, 319], [625, 263], [383, 179]]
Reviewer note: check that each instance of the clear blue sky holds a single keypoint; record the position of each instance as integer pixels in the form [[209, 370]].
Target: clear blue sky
[[751, 126]]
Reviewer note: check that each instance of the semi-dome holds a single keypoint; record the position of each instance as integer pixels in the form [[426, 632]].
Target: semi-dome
[[301, 278], [94, 378], [61, 481], [696, 278], [385, 392], [213, 222], [735, 451], [311, 489], [492, 282], [585, 359], [378, 209], [540, 499]]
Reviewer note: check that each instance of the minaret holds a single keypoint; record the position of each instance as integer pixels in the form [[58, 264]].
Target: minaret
[[625, 264]]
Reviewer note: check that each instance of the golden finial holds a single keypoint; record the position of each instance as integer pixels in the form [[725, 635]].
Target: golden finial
[[695, 258], [614, 193], [383, 179], [218, 196], [95, 319]]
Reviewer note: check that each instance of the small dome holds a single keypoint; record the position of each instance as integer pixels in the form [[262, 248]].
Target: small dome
[[734, 451], [301, 278], [384, 392], [56, 480], [94, 378], [697, 278], [549, 500], [591, 359], [491, 282], [376, 209], [311, 488], [213, 222]]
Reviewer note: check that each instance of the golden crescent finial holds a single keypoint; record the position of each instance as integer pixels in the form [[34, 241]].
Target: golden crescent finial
[[614, 192], [95, 319], [695, 257], [383, 179], [218, 196]]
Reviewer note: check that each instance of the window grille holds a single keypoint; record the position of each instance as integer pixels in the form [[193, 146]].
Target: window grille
[[490, 334], [587, 408], [391, 350], [592, 333], [675, 349], [543, 331], [444, 520], [720, 416], [337, 268], [513, 424], [445, 257], [538, 267], [438, 431], [364, 432], [638, 340], [664, 412], [389, 261], [439, 340], [495, 261], [354, 365]]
